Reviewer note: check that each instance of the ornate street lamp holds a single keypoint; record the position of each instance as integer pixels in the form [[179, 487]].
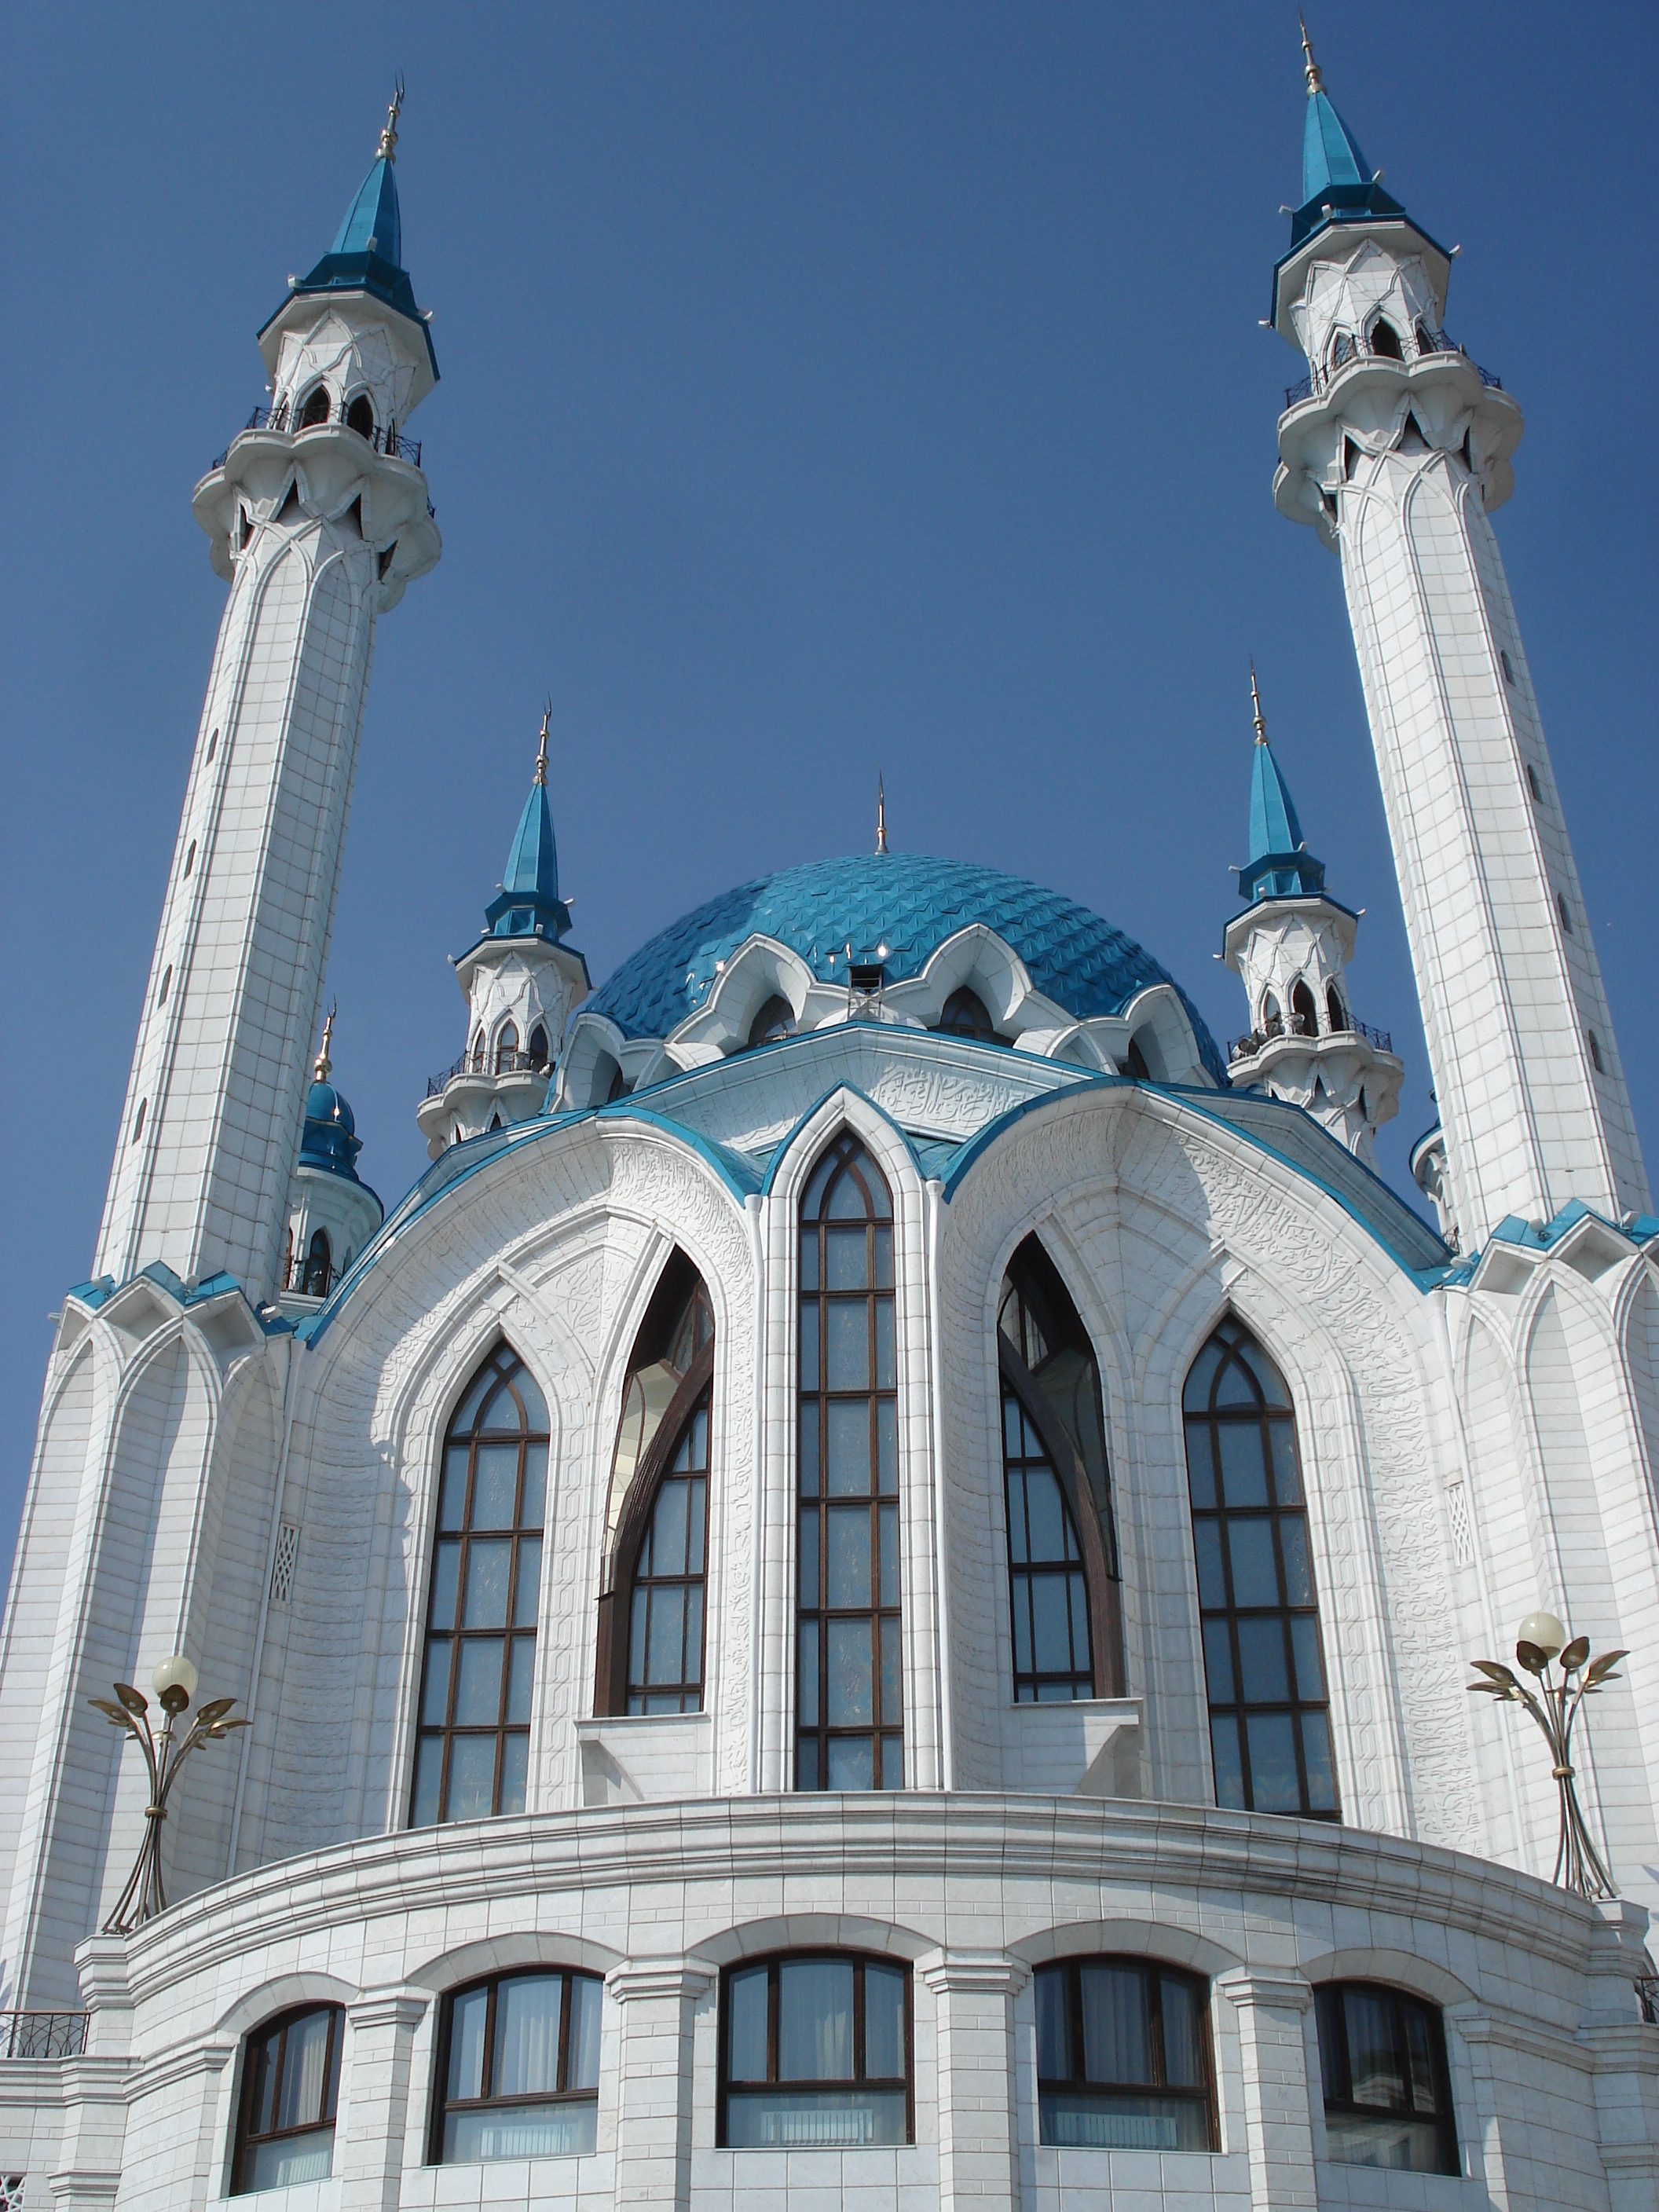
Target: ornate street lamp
[[1555, 1709], [174, 1684]]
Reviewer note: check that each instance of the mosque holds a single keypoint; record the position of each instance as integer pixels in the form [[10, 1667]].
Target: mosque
[[865, 1596]]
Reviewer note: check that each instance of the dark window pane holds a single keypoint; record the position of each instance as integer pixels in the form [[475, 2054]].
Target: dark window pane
[[810, 1375], [1050, 1625], [849, 1677], [1116, 2029], [496, 1487], [521, 1676], [1288, 1476], [1375, 2075], [1310, 1674], [886, 1358], [884, 2023], [1243, 1467], [848, 1559], [1207, 1545], [887, 1516], [1045, 1514], [808, 1684], [846, 1266], [809, 1261], [534, 1510], [809, 1448], [488, 1563], [1250, 1546], [1054, 2018], [1275, 1787], [1316, 1757], [445, 1583], [1200, 1464], [452, 1498], [891, 1693], [852, 1762], [1420, 2064], [884, 1258], [1218, 1663], [429, 1774], [668, 1529], [887, 1448], [849, 1448], [746, 2025], [515, 1766], [815, 2019], [529, 1582], [1261, 1661], [848, 1342], [478, 1684], [1183, 2056], [1229, 1766], [808, 1557], [472, 1777], [1299, 1574], [434, 1697]]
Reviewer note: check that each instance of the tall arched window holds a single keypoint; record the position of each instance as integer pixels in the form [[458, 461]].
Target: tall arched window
[[319, 1265], [1385, 341], [360, 416], [1063, 1583], [849, 1691], [651, 1629], [315, 410], [1270, 1726], [473, 1755], [538, 1053], [1333, 1008], [1306, 1023], [506, 1049]]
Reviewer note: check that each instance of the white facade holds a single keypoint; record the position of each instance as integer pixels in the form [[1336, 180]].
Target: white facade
[[1057, 1179]]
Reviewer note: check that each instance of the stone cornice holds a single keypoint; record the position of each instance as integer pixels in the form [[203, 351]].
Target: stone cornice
[[659, 1978], [990, 1972], [1117, 1843]]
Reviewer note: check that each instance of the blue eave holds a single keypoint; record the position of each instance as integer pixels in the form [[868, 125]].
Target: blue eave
[[356, 275], [1341, 218]]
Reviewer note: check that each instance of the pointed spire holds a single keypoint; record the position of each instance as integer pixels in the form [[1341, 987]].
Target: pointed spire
[[526, 902], [541, 753], [1310, 66], [1280, 865], [881, 814], [324, 1065], [1255, 707], [388, 147]]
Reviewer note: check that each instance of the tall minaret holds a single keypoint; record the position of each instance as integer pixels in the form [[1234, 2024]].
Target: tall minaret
[[1396, 447], [318, 516], [1290, 949]]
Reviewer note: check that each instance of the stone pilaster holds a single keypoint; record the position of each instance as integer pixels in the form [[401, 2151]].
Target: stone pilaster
[[369, 2146], [1278, 2113], [978, 2082], [655, 2001]]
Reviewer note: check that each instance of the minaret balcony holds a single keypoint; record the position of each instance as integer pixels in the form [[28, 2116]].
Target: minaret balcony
[[1257, 1041], [479, 1092], [1317, 383], [382, 437]]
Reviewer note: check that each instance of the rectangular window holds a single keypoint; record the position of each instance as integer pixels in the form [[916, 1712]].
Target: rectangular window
[[815, 2053], [1123, 2058], [519, 2068], [1388, 2092]]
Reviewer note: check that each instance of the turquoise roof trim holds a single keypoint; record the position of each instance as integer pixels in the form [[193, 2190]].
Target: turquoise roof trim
[[1279, 867], [373, 223], [1330, 152], [352, 264], [909, 903], [529, 891]]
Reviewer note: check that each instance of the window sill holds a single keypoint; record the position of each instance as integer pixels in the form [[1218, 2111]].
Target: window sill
[[1087, 1748], [628, 1758]]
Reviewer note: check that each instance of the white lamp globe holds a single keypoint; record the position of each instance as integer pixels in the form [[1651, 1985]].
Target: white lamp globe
[[174, 1683], [1544, 1630]]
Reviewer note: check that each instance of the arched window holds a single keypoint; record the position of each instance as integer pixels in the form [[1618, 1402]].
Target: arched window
[[775, 1019], [539, 1057], [1063, 1583], [360, 417], [473, 1755], [1272, 1024], [1385, 340], [1388, 2090], [319, 1265], [478, 1054], [1338, 1019], [315, 410], [1342, 351], [815, 2051], [1135, 1062], [966, 1015], [849, 1691], [1123, 2056], [650, 1644], [1425, 339], [166, 985], [1270, 1729], [506, 1049], [290, 2084], [1305, 1012], [519, 2059]]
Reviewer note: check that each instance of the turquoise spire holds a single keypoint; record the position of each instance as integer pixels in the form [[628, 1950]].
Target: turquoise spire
[[527, 902], [1281, 866], [368, 253], [1336, 178]]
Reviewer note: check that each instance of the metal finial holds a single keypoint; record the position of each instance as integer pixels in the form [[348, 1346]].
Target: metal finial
[[541, 756], [881, 814], [1316, 81], [323, 1063], [388, 146], [1256, 708]]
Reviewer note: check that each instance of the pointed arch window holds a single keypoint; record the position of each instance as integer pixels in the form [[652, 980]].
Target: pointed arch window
[[650, 1641], [1333, 1008], [967, 1015], [775, 1020], [538, 1055], [1305, 1012], [849, 1690], [472, 1755], [1385, 341], [1270, 1728], [319, 1265], [506, 1049], [1064, 1593]]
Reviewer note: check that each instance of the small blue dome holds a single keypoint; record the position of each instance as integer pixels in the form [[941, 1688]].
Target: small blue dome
[[324, 1103], [329, 1139], [906, 902]]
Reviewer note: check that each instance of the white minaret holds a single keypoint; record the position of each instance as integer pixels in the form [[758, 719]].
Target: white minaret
[[1395, 448], [317, 517], [1290, 949], [521, 984]]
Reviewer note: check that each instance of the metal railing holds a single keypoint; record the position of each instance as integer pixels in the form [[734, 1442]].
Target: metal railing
[[43, 2034], [1298, 1025], [485, 1063], [304, 1280], [1314, 383], [384, 437]]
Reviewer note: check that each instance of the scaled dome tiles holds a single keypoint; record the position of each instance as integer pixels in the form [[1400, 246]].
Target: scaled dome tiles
[[830, 911]]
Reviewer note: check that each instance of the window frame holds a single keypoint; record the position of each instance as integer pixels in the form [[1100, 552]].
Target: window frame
[[615, 1604], [1444, 2116], [1211, 1420], [525, 1439], [880, 2085], [443, 2105], [1153, 1970], [247, 2142], [1105, 1632]]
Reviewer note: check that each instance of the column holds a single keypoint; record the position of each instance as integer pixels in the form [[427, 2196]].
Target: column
[[369, 2148], [656, 2000], [1277, 2114], [973, 1993]]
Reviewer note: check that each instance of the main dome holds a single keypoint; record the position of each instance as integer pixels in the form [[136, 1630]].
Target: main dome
[[910, 904]]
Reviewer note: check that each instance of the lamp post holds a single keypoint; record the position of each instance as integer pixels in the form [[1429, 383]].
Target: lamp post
[[1543, 1639], [174, 1684]]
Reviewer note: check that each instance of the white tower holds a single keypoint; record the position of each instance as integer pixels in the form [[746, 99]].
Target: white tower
[[1395, 448], [1290, 948], [318, 516], [521, 985]]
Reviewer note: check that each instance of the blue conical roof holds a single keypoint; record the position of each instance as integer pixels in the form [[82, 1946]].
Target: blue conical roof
[[528, 898], [1280, 866], [1330, 152], [372, 224]]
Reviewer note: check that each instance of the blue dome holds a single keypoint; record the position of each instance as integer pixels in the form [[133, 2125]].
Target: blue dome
[[329, 1138], [324, 1103], [904, 900]]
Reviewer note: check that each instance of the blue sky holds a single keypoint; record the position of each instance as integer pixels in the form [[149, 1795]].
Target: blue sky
[[823, 387]]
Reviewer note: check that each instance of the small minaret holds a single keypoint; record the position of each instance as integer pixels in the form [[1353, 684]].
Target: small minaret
[[317, 517], [1290, 949], [331, 1211], [521, 986], [1396, 448]]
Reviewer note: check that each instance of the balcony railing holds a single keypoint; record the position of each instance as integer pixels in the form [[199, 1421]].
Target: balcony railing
[[1296, 1025], [306, 1279], [43, 2034], [1317, 382], [384, 437], [485, 1063]]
